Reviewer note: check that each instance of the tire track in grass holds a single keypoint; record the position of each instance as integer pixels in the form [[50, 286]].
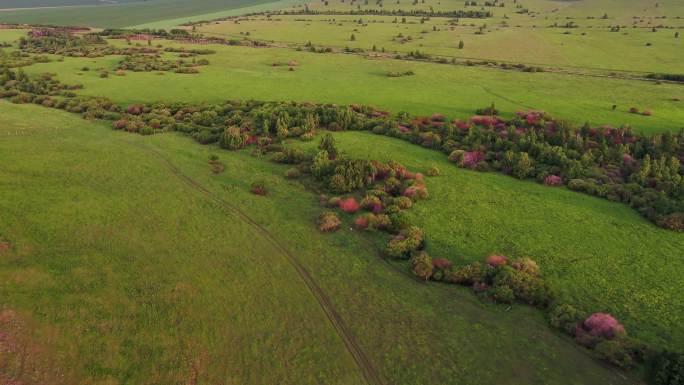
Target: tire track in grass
[[369, 371]]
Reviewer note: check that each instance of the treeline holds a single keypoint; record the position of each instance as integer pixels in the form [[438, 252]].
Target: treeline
[[461, 14]]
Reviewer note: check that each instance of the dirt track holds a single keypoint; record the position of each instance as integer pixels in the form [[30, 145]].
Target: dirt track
[[370, 373]]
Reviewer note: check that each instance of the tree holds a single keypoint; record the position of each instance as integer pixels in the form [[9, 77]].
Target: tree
[[523, 166], [328, 144], [321, 165], [461, 44], [422, 265], [233, 138], [353, 37]]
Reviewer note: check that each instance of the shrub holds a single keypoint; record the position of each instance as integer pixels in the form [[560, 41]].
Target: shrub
[[349, 205], [361, 222], [502, 294], [615, 352], [441, 264], [526, 287], [233, 138], [668, 369], [415, 192], [403, 245], [496, 260], [433, 171], [553, 180], [467, 275], [372, 203], [328, 222], [526, 265], [292, 173], [134, 109], [421, 265], [564, 317], [601, 326], [673, 221], [120, 124], [258, 188], [403, 202], [329, 145]]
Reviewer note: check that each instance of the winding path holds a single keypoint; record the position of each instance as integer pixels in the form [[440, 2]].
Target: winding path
[[370, 373]]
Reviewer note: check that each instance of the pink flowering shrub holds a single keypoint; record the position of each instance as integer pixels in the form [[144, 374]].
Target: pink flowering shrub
[[472, 158], [603, 325], [361, 222], [417, 191], [496, 260], [438, 118], [349, 205], [441, 263], [647, 113], [484, 121], [404, 129], [135, 109], [553, 180], [634, 110]]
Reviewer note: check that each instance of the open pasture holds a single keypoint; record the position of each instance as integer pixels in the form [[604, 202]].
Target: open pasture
[[114, 296], [457, 91]]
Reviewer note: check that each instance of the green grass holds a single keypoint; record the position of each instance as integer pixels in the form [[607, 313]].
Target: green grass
[[137, 278], [518, 42], [597, 255], [457, 91]]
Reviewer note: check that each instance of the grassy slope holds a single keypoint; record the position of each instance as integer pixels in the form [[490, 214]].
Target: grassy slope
[[135, 274], [247, 73], [598, 255]]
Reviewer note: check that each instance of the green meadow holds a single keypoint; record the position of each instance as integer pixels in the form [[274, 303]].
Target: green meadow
[[125, 260], [129, 275], [457, 91], [591, 46]]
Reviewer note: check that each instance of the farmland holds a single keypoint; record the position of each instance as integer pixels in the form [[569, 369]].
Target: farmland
[[341, 192]]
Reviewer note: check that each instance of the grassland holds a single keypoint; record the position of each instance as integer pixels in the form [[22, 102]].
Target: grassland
[[120, 297], [248, 73], [128, 264], [597, 254], [592, 46]]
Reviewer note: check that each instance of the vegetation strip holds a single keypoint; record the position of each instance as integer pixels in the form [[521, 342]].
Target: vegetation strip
[[370, 373]]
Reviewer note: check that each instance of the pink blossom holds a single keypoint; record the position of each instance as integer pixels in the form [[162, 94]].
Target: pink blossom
[[553, 180], [441, 263], [349, 205], [603, 325], [361, 223], [496, 260], [472, 158]]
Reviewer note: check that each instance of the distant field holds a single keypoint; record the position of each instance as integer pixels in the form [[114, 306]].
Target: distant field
[[247, 73], [9, 4], [121, 14], [126, 274], [589, 47]]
